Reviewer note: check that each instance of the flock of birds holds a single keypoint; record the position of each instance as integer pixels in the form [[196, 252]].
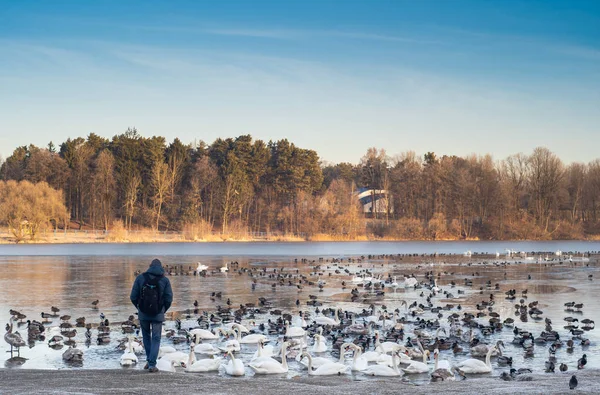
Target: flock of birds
[[390, 340]]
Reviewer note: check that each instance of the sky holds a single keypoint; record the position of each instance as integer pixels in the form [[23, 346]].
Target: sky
[[455, 77]]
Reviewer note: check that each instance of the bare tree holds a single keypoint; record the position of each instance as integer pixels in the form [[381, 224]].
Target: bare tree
[[161, 182]]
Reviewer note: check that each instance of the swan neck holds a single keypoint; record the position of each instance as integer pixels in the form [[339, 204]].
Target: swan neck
[[488, 357], [283, 357]]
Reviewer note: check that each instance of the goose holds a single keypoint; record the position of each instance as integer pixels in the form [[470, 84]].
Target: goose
[[203, 334], [201, 267], [383, 370], [14, 339], [322, 320], [129, 358], [271, 366], [329, 369], [475, 365], [235, 367], [166, 365], [203, 365]]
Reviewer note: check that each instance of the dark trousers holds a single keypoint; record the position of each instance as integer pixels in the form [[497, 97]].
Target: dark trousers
[[151, 331]]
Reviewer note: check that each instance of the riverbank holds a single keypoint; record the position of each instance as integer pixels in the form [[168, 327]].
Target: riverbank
[[149, 236], [136, 381]]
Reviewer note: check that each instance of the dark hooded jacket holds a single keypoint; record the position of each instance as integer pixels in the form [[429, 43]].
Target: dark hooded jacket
[[155, 270]]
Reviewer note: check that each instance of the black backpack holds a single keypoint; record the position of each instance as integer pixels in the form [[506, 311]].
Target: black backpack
[[150, 300]]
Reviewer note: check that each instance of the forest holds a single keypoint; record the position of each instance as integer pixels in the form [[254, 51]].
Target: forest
[[241, 186]]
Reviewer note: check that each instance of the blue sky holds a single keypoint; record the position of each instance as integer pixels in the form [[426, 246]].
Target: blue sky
[[453, 77]]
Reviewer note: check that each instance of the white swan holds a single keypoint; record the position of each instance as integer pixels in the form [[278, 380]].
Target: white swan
[[271, 366], [203, 365], [394, 284], [358, 362], [262, 352], [322, 320], [180, 358], [249, 339], [383, 370], [224, 269], [410, 282], [129, 358], [316, 361], [233, 344], [164, 350], [294, 331], [417, 367], [329, 369], [166, 365], [385, 347], [206, 349], [240, 327], [203, 334], [235, 367], [201, 267], [472, 365], [320, 344]]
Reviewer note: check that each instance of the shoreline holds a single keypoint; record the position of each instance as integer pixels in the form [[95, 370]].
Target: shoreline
[[82, 381], [98, 237]]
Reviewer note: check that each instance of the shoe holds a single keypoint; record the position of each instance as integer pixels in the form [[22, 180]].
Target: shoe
[[153, 369], [146, 366]]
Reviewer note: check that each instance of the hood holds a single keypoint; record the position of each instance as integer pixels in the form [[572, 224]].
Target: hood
[[156, 268]]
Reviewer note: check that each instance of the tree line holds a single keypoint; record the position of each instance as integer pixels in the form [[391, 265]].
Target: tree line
[[246, 185]]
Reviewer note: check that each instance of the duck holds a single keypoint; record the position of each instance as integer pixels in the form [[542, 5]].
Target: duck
[[203, 365], [271, 366], [384, 370], [328, 369], [474, 366], [235, 367], [129, 358], [72, 355]]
